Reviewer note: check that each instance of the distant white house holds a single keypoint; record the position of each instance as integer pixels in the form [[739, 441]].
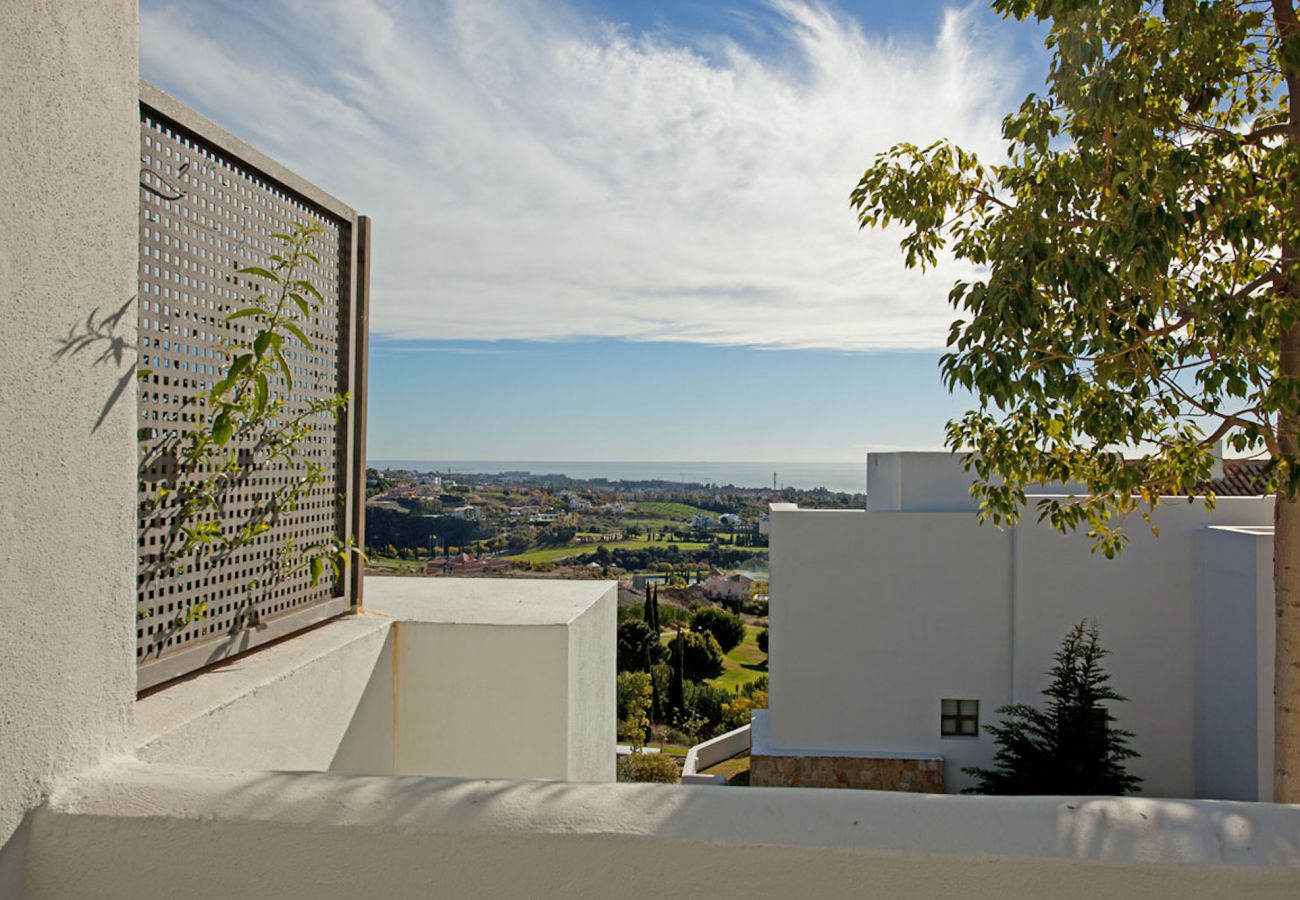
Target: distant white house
[[897, 631], [703, 522], [730, 520], [729, 587]]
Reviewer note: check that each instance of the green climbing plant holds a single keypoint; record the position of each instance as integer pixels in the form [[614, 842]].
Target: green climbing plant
[[244, 426]]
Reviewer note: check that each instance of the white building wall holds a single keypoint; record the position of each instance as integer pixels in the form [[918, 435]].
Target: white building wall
[[917, 481], [592, 674], [1144, 602], [1234, 675], [69, 162], [877, 616]]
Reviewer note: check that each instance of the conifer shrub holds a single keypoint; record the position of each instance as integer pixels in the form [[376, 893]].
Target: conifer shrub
[[1072, 746]]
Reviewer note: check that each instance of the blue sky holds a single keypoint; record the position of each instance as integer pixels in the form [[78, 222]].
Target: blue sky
[[618, 230]]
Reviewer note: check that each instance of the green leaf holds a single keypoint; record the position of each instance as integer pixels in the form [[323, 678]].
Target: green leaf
[[260, 394], [241, 362], [297, 332], [284, 370], [303, 306], [259, 272], [247, 311], [317, 566], [261, 342], [222, 428]]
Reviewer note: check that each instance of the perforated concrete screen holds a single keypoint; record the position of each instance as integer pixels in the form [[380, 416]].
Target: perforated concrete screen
[[209, 206]]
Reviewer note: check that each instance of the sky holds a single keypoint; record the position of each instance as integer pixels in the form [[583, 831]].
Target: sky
[[618, 230]]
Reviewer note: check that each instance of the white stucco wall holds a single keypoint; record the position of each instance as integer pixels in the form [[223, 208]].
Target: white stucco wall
[[322, 700], [153, 832], [1145, 603], [491, 700], [1234, 672], [877, 616], [592, 668], [465, 677], [502, 678], [917, 481], [69, 157]]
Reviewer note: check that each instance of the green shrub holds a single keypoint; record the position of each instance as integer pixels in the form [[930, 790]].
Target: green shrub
[[705, 702], [727, 628], [659, 768], [671, 615], [762, 640], [736, 714]]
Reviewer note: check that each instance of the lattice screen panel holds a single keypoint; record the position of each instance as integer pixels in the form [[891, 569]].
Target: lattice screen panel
[[206, 212]]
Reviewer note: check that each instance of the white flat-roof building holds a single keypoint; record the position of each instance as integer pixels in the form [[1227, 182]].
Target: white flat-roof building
[[882, 617]]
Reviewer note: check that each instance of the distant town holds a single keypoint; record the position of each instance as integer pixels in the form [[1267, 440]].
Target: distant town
[[675, 534]]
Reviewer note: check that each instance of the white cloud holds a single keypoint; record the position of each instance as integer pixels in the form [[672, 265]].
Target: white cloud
[[534, 175]]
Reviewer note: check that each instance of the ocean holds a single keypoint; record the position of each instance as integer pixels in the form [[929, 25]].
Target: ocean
[[848, 478]]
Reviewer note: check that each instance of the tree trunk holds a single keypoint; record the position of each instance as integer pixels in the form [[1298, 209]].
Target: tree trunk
[[1286, 660], [1286, 516]]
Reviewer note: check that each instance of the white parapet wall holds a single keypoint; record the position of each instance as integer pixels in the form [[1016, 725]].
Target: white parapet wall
[[711, 752], [507, 678], [150, 831], [502, 677]]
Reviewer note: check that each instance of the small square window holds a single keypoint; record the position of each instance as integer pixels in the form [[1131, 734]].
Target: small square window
[[959, 718]]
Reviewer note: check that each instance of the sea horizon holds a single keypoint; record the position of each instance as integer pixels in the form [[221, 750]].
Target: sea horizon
[[842, 477]]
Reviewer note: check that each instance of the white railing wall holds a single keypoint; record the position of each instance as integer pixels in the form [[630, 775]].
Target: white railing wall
[[710, 753]]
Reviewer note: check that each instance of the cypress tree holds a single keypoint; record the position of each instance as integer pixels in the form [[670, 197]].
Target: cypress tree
[[654, 603], [677, 685], [648, 613]]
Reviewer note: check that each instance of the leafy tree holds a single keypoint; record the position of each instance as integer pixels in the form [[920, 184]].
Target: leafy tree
[[762, 640], [706, 704], [701, 656], [1139, 284], [636, 643], [727, 628], [1069, 748], [634, 690], [633, 698], [656, 708]]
